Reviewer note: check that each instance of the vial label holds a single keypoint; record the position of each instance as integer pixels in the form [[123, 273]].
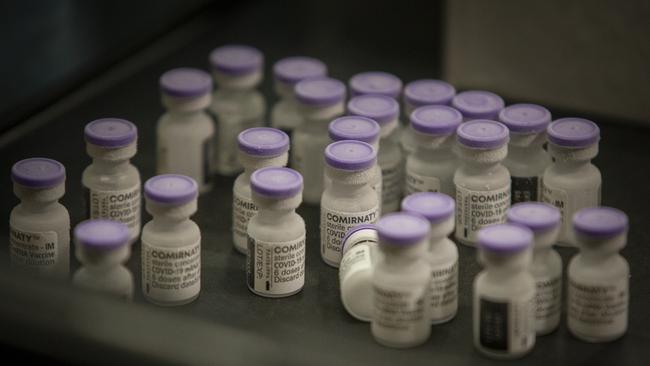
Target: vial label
[[568, 205], [507, 326], [526, 189], [122, 206], [391, 186], [477, 209], [357, 259], [275, 268], [33, 249], [334, 226], [444, 292], [548, 302], [171, 274], [598, 309], [399, 311], [243, 209], [419, 183]]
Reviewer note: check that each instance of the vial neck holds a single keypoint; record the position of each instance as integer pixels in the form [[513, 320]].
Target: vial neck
[[428, 153], [482, 166], [400, 256], [111, 166], [525, 152], [502, 266], [181, 114], [268, 216], [39, 200], [38, 206], [571, 165]]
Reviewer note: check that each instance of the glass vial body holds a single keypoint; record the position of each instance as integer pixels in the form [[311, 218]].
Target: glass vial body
[[355, 271]]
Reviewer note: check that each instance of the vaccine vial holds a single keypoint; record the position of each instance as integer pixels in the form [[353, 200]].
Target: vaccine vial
[[171, 242], [527, 159], [359, 129], [375, 83], [259, 147], [185, 133], [349, 200], [544, 221], [431, 166], [478, 104], [236, 104], [320, 101], [504, 293], [111, 181], [39, 227], [385, 111], [401, 281], [275, 262], [285, 114], [355, 272], [598, 291], [438, 209], [102, 247], [482, 183], [571, 182]]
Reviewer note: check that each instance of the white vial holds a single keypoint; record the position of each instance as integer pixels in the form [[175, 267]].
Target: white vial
[[400, 282], [259, 147], [275, 262], [39, 227], [527, 159], [478, 104], [504, 293], [544, 221], [111, 181], [438, 209], [482, 183], [431, 166], [359, 129], [185, 132], [349, 200], [236, 104], [571, 182], [171, 242], [599, 277], [321, 100], [102, 246], [421, 93], [385, 111], [355, 272]]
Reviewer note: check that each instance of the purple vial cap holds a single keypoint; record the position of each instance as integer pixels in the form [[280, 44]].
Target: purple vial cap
[[525, 118], [478, 104], [110, 132], [236, 60], [38, 173], [173, 189], [375, 82], [482, 134], [604, 222], [434, 206], [428, 92], [381, 108], [504, 238], [536, 216], [402, 228], [320, 92], [263, 141], [357, 228], [354, 128], [185, 82], [276, 182], [436, 120], [291, 70], [573, 132], [101, 234], [350, 155]]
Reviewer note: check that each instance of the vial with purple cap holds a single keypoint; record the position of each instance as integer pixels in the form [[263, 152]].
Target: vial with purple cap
[[442, 256], [431, 167], [320, 101], [482, 183], [375, 83], [171, 242], [236, 103], [544, 221], [385, 111], [349, 200], [572, 182], [111, 181], [478, 104], [185, 133], [259, 147], [599, 277], [102, 247], [275, 260], [504, 292], [401, 281], [355, 272], [527, 159], [39, 226]]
